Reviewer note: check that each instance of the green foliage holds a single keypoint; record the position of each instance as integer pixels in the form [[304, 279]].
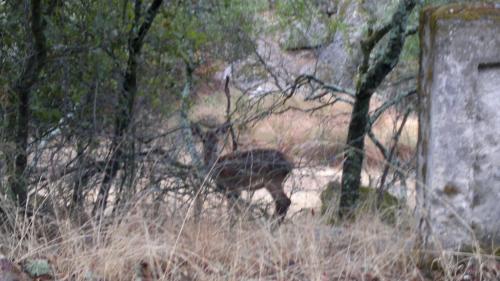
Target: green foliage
[[195, 34], [88, 51], [211, 30], [411, 49], [441, 2]]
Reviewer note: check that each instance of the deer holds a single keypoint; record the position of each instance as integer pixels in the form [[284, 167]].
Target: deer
[[248, 170]]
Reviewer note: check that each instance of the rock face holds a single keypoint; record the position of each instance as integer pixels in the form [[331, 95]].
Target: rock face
[[301, 35], [459, 134], [326, 45], [339, 60]]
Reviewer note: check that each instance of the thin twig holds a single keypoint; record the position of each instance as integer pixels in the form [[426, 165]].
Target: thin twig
[[390, 156]]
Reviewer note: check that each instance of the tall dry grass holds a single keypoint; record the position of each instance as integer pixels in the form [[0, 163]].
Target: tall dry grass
[[140, 245]]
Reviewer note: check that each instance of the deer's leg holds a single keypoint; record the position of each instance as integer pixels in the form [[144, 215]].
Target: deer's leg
[[281, 201], [233, 198]]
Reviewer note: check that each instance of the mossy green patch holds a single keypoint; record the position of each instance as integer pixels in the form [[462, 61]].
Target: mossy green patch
[[330, 199], [38, 268], [465, 12]]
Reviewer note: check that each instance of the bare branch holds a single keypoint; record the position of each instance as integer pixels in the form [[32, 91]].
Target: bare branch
[[148, 21], [391, 155], [228, 114], [378, 144], [329, 89], [269, 70], [388, 59], [380, 110], [411, 31], [373, 37]]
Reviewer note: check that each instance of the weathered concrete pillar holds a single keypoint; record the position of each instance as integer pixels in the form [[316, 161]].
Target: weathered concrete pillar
[[458, 188]]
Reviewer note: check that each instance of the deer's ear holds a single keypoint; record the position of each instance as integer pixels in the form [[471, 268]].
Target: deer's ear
[[223, 128], [195, 129]]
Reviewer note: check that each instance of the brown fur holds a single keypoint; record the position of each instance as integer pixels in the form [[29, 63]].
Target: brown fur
[[246, 170]]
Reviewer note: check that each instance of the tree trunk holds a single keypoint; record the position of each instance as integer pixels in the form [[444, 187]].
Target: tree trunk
[[354, 155], [18, 115], [122, 122], [126, 102], [18, 181]]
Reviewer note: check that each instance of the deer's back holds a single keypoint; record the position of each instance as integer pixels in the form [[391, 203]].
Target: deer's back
[[251, 167]]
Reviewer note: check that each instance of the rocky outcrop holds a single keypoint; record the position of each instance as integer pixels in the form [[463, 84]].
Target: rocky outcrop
[[339, 60], [305, 35], [326, 45]]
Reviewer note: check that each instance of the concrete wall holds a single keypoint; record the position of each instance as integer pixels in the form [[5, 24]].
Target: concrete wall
[[458, 190]]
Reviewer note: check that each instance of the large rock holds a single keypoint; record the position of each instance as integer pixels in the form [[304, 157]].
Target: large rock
[[305, 35], [335, 62], [459, 144], [339, 60]]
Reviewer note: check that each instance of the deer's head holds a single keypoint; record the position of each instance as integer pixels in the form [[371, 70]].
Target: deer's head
[[210, 139]]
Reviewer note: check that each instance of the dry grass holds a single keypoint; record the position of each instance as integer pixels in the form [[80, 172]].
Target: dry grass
[[172, 248]]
